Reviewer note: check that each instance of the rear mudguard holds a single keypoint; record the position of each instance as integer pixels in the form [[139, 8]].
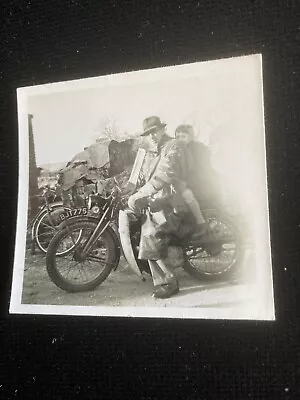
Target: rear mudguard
[[89, 218], [41, 212]]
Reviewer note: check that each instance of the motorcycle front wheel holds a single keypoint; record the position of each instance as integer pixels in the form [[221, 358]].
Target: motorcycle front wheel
[[219, 254], [69, 270]]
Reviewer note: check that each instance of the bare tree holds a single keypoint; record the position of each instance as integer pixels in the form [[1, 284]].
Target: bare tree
[[107, 129]]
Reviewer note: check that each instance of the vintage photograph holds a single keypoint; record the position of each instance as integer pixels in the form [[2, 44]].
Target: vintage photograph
[[144, 194]]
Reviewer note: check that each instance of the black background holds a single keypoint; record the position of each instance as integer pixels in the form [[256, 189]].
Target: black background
[[84, 357]]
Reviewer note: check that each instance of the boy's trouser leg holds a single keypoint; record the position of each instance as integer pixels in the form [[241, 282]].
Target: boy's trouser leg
[[194, 206]]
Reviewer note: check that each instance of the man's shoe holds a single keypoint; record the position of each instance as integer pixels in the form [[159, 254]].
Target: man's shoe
[[165, 291]]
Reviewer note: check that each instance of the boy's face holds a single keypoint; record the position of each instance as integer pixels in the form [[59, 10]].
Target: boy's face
[[183, 137]]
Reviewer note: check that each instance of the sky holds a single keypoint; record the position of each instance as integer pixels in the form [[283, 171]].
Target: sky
[[222, 99], [219, 100]]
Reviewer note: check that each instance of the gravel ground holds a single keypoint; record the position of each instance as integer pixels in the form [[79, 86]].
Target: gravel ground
[[124, 288]]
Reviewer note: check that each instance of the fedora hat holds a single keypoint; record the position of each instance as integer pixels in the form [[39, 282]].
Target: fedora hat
[[152, 124]]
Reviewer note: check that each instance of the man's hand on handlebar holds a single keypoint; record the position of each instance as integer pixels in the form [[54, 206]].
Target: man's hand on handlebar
[[156, 205], [142, 203], [129, 189]]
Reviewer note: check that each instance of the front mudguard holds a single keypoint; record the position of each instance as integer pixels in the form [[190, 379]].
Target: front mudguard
[[72, 220], [125, 240]]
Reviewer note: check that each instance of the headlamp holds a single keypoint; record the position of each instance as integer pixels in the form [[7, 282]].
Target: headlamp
[[95, 210]]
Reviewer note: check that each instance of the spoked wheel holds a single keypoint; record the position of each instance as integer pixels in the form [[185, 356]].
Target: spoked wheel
[[219, 254], [70, 270], [46, 227]]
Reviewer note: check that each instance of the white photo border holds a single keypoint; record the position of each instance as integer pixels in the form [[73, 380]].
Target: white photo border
[[264, 279]]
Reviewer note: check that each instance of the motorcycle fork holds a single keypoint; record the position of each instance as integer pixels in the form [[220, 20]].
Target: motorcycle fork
[[100, 228]]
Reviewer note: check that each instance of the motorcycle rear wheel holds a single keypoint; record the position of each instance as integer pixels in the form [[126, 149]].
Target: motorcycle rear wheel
[[104, 246], [46, 226], [214, 261]]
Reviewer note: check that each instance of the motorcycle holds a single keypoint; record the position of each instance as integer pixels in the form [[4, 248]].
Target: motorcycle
[[45, 222], [86, 249]]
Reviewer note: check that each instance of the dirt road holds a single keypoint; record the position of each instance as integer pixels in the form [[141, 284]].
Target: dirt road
[[124, 288]]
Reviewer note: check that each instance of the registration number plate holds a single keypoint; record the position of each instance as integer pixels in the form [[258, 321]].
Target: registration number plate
[[75, 212]]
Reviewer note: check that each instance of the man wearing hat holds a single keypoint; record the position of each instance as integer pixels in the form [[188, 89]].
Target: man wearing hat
[[169, 216]]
